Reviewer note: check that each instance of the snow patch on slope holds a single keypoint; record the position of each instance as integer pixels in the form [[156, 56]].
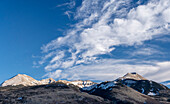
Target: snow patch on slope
[[151, 93], [103, 86]]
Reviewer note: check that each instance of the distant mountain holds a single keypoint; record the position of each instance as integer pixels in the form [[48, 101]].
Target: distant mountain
[[22, 79], [133, 80], [166, 83], [141, 84]]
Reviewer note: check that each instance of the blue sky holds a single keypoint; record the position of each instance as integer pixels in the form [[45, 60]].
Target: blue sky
[[74, 39], [25, 26]]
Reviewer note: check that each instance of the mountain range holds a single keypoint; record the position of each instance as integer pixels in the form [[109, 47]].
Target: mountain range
[[132, 88], [25, 80]]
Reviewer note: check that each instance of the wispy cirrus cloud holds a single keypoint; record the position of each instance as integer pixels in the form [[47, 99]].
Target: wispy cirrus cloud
[[69, 5], [101, 26]]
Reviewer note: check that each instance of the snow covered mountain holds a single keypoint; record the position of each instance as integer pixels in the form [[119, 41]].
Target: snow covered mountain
[[22, 79], [166, 83], [141, 84], [132, 80]]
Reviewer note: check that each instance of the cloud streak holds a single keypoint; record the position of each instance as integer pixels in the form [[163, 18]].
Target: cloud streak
[[103, 25], [70, 4]]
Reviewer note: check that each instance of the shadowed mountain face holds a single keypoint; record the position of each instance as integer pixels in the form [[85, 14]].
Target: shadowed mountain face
[[144, 86]]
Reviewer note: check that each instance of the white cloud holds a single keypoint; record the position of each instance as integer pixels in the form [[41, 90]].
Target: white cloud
[[111, 69], [162, 74], [55, 74], [103, 25]]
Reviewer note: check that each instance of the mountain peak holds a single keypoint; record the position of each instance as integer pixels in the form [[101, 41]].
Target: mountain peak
[[20, 79], [20, 74], [133, 75], [23, 79]]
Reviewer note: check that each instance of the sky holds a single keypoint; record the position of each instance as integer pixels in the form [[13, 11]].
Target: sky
[[98, 40]]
